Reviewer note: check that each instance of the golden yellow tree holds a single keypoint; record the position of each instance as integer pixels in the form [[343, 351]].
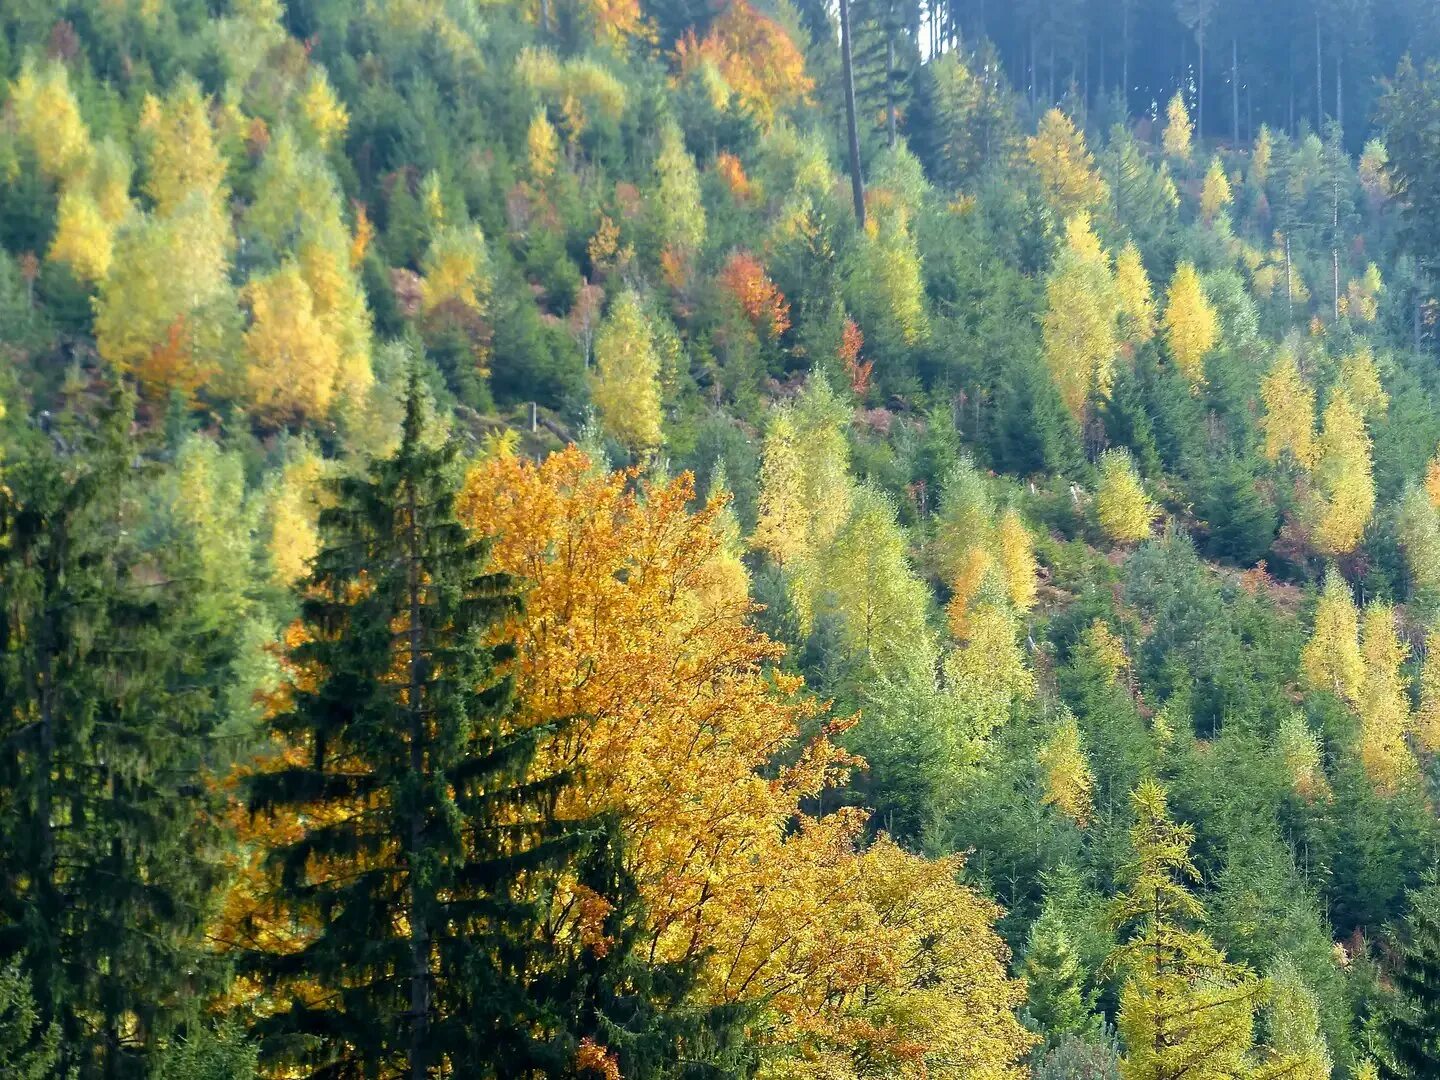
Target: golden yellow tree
[[1123, 509], [294, 361], [1015, 555], [1080, 326], [1345, 486], [1360, 379], [1289, 418], [683, 719], [1069, 785], [1384, 705], [47, 116], [83, 238], [1064, 166], [1303, 755], [183, 156], [1215, 196], [1261, 156], [542, 146], [1192, 326], [675, 203], [456, 268], [323, 116], [1176, 138], [1331, 660], [1137, 299], [626, 386]]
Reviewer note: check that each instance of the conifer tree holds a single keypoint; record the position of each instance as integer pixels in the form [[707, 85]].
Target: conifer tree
[[1080, 327], [1384, 705], [1184, 1009], [420, 922], [1064, 165], [1192, 326], [1296, 1038], [627, 375], [1057, 1004], [104, 714], [1178, 129], [1215, 196], [1124, 510], [1289, 419], [1332, 659], [1412, 1026], [1137, 299], [1343, 478]]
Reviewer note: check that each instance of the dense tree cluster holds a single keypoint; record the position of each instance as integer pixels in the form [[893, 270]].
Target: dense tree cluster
[[619, 539]]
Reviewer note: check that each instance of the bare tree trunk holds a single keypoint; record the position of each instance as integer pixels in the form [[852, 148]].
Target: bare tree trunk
[[857, 183], [1125, 52], [1200, 107], [1335, 240], [1319, 79], [1339, 96], [1235, 93], [890, 83], [419, 930]]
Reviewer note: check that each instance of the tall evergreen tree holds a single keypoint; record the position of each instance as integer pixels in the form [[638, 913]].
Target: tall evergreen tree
[[103, 875], [453, 923], [1412, 1027]]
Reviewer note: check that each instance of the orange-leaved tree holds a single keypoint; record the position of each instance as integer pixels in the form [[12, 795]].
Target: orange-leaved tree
[[853, 955]]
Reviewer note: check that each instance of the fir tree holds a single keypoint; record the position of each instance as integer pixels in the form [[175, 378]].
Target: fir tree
[[103, 875], [1412, 1027]]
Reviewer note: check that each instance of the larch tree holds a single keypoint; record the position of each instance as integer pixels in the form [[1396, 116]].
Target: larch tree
[[1384, 705], [1332, 659], [1296, 1039], [626, 384], [294, 361], [1185, 1010], [1344, 481], [1303, 755], [1137, 298], [1179, 132], [1360, 378], [1215, 195], [1124, 511], [83, 239], [1192, 326], [47, 116], [1064, 166], [1069, 784], [1080, 327], [780, 531], [1288, 422], [676, 206]]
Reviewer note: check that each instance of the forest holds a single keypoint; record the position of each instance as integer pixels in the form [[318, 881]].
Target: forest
[[779, 539]]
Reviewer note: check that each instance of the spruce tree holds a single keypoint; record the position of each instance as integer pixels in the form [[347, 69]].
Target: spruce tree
[[455, 925], [103, 713], [1412, 1027]]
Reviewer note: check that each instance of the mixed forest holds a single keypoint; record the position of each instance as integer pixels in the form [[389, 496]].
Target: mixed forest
[[626, 539]]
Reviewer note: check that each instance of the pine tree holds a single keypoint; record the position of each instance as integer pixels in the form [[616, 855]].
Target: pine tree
[[104, 716], [1412, 1026]]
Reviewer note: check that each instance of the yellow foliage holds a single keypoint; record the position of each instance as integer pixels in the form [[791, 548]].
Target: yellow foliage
[[1360, 379], [1178, 129], [47, 117], [1064, 166], [1215, 196], [754, 56], [183, 156], [1289, 418], [1362, 295], [294, 362], [1374, 177], [1137, 300], [1124, 510], [676, 204], [1192, 326], [456, 267], [109, 181], [1332, 659], [542, 145], [1427, 716], [325, 116], [1384, 705], [1069, 785], [1080, 327], [1345, 486], [294, 517], [626, 386], [83, 238], [1015, 553], [1263, 154], [1107, 648], [853, 955]]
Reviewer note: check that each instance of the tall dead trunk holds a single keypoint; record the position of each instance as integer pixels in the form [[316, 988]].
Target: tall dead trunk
[[1235, 93], [1319, 79], [857, 184], [419, 913]]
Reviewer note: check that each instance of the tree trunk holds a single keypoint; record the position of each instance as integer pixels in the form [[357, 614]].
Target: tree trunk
[[1235, 93], [890, 84], [1200, 105], [1319, 80], [1339, 96], [857, 184], [1125, 53]]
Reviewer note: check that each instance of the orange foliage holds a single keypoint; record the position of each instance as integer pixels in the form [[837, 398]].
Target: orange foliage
[[763, 303], [364, 233], [694, 739], [171, 365], [755, 56], [857, 370], [733, 173]]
